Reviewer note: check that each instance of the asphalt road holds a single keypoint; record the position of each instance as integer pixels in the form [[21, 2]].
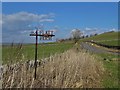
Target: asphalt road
[[95, 49]]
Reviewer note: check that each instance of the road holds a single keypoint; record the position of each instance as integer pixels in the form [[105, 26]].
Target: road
[[93, 48]]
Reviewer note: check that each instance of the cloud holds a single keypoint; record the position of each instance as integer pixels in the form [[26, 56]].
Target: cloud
[[88, 29], [47, 20], [1, 20], [19, 23], [23, 19], [113, 29], [91, 29]]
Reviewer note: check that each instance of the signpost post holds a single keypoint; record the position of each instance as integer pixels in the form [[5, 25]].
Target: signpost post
[[47, 35]]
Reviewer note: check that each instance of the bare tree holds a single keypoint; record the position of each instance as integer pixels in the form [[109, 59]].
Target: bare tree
[[76, 35]]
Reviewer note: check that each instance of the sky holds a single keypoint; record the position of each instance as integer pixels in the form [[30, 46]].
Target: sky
[[20, 18]]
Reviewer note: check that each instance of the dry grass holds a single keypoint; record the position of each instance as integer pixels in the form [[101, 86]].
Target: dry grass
[[72, 69]]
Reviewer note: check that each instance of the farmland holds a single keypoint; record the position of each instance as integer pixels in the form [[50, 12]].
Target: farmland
[[109, 38], [110, 42], [12, 54]]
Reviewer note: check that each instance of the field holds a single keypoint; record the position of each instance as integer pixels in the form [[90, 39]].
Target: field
[[111, 42], [13, 54], [110, 38]]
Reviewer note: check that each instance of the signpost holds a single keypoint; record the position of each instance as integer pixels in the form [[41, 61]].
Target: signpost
[[47, 35]]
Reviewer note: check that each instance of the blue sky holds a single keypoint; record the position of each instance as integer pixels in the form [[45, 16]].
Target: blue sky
[[20, 18]]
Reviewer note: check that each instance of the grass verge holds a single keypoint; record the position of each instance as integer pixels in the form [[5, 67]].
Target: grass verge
[[110, 78]]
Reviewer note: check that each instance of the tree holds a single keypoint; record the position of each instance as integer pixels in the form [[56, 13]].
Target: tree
[[95, 34], [76, 34], [87, 36]]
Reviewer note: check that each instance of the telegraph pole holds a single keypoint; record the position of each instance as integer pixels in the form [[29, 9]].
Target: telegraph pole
[[47, 35], [36, 52]]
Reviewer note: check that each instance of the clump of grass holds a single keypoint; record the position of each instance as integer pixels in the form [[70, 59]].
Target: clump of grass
[[71, 69]]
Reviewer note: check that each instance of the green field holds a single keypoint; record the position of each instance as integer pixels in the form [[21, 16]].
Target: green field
[[14, 54], [110, 38], [111, 42]]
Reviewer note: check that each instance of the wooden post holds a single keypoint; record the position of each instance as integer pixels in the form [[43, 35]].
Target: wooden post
[[36, 52]]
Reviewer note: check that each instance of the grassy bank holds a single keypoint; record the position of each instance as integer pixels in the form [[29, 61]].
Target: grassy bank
[[111, 42], [71, 69], [105, 36], [110, 78], [110, 38]]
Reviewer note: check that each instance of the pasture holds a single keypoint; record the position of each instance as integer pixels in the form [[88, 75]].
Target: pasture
[[24, 52], [109, 38], [110, 42]]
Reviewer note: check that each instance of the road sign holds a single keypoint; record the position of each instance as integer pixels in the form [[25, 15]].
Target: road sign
[[44, 35]]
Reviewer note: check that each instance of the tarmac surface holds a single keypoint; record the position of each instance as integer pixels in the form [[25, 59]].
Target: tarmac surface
[[96, 49]]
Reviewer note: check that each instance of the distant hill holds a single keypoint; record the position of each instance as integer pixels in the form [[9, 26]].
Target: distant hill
[[107, 38]]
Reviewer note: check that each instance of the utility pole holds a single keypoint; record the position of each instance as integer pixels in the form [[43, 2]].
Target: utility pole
[[47, 35]]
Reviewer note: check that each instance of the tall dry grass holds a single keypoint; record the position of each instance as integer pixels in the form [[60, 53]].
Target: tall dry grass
[[71, 69]]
